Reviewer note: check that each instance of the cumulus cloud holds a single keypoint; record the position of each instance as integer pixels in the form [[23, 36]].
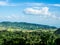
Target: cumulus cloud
[[42, 11]]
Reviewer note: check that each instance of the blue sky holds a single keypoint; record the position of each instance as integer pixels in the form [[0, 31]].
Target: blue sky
[[45, 12]]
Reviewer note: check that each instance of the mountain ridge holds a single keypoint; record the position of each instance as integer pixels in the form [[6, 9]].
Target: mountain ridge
[[26, 25]]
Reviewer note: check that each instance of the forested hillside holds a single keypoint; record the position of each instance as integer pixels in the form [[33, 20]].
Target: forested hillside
[[24, 25]]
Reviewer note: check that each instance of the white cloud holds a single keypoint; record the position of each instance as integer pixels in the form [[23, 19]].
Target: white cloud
[[34, 4], [6, 3], [57, 5], [10, 17], [44, 11], [41, 4], [2, 3], [13, 16], [41, 11]]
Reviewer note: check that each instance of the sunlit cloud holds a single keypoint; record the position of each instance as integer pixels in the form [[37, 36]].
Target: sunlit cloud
[[41, 11]]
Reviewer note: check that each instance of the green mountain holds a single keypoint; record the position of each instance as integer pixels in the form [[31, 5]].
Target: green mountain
[[24, 25]]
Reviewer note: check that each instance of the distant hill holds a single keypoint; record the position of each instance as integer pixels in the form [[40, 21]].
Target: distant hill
[[57, 31], [24, 25]]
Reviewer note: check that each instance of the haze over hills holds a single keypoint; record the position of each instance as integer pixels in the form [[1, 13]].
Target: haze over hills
[[25, 25]]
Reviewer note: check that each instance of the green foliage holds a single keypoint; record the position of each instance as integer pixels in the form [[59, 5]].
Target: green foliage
[[28, 38], [21, 33]]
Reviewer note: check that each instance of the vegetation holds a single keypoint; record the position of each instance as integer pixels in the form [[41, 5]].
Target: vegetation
[[9, 35], [28, 38]]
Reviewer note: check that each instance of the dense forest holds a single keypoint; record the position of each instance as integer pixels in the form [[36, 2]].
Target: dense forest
[[29, 38], [21, 33]]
